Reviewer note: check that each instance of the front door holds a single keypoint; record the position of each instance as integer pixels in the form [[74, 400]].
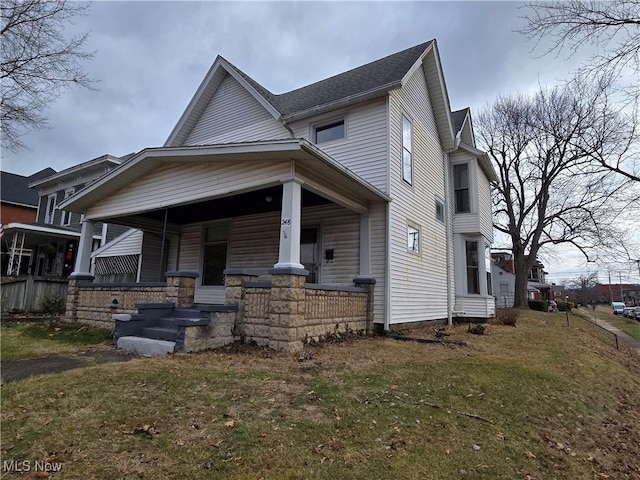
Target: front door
[[309, 249]]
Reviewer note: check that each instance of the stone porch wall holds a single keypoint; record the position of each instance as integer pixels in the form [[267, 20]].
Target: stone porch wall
[[95, 303], [285, 314]]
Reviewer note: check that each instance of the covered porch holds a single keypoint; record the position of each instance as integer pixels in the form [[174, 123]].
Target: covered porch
[[277, 230]]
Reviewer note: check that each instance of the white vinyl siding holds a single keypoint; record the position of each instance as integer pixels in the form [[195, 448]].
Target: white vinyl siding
[[485, 216], [468, 222], [188, 182], [234, 115], [131, 244], [418, 282], [364, 150], [254, 244]]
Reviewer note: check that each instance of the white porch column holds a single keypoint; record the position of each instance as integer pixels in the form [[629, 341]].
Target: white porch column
[[83, 257], [289, 254], [365, 247]]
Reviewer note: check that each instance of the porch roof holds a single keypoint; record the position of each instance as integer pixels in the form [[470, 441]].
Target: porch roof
[[38, 233], [298, 150]]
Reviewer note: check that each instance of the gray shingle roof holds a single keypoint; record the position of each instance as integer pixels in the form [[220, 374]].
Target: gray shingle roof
[[377, 74], [15, 188], [457, 118]]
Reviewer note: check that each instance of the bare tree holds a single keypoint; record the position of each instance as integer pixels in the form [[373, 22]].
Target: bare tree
[[552, 189], [38, 62], [613, 29], [584, 287]]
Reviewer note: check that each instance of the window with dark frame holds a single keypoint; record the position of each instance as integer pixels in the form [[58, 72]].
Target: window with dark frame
[[214, 259], [407, 155], [329, 132], [461, 187], [473, 277]]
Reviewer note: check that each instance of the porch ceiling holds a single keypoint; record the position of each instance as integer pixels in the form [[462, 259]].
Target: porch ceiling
[[249, 203]]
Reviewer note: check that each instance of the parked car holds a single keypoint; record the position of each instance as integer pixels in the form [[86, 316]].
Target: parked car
[[553, 306], [628, 312], [636, 313], [618, 307]]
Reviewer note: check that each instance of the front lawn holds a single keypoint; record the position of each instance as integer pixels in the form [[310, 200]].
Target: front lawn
[[26, 339], [541, 400]]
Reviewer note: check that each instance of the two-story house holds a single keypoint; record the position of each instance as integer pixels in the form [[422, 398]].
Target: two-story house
[[18, 204], [366, 177], [45, 244]]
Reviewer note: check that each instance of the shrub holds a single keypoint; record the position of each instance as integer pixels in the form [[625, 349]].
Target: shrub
[[52, 305], [539, 305], [565, 306], [507, 316]]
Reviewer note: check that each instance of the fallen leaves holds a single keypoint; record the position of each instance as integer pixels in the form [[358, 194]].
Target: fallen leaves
[[150, 430]]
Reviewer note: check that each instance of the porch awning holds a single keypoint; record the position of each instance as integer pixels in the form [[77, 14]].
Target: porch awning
[[294, 158]]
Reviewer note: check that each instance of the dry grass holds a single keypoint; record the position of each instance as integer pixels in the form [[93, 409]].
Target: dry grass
[[541, 400], [27, 339]]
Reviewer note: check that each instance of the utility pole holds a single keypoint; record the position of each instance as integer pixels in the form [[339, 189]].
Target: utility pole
[[610, 289], [620, 280]]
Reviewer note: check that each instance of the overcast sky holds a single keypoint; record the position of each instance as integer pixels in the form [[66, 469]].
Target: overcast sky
[[151, 56]]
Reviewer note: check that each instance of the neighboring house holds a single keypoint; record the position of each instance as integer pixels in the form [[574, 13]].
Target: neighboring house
[[504, 280], [19, 205], [364, 177], [45, 244]]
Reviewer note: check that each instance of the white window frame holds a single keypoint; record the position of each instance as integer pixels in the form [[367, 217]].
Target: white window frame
[[468, 188], [65, 217], [440, 203], [415, 249], [328, 123], [50, 209], [478, 243], [407, 148]]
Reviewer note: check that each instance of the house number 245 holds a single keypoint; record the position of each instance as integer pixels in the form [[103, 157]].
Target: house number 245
[[285, 221]]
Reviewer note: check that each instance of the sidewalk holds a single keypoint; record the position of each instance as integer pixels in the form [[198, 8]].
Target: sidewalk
[[633, 342]]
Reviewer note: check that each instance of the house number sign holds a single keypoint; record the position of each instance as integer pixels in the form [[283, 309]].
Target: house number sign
[[285, 222]]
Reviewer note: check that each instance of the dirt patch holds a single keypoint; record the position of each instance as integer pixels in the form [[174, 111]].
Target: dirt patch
[[20, 369]]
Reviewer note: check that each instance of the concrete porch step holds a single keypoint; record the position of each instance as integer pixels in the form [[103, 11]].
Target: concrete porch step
[[167, 322], [148, 347], [159, 333]]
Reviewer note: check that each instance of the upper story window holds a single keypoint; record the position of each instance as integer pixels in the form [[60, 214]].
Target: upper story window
[[407, 155], [329, 131], [413, 239], [51, 209], [65, 219], [214, 259], [461, 187]]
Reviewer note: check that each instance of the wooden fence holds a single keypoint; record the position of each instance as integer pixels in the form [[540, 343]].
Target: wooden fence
[[25, 293]]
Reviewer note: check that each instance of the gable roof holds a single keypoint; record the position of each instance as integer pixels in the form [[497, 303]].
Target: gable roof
[[366, 82], [94, 164], [14, 188], [458, 117]]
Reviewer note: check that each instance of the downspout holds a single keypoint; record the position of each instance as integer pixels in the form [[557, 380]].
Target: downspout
[[387, 293], [445, 164], [286, 125]]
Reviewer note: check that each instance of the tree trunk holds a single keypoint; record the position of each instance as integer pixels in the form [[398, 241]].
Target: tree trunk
[[521, 298]]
